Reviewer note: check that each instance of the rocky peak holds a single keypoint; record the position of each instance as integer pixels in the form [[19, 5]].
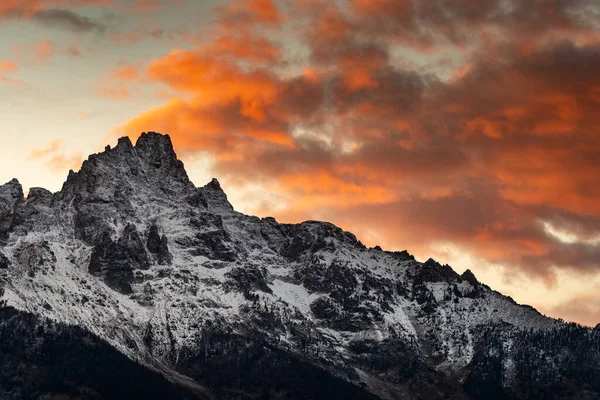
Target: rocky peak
[[148, 166], [214, 184], [156, 145], [403, 255], [433, 271], [39, 196], [214, 197], [470, 277], [10, 194], [158, 153]]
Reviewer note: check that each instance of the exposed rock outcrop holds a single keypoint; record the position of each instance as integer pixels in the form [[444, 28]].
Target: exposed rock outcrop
[[115, 261]]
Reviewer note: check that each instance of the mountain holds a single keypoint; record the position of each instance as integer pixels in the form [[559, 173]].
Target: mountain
[[131, 282]]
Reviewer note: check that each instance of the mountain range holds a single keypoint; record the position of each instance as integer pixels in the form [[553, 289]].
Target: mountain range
[[133, 283]]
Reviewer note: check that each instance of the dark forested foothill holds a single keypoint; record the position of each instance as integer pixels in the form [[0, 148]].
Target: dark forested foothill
[[41, 359]]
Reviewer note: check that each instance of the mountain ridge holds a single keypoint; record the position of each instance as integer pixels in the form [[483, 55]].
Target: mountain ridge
[[171, 276]]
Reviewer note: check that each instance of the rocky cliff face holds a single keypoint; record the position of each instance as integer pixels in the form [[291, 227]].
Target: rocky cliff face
[[168, 274]]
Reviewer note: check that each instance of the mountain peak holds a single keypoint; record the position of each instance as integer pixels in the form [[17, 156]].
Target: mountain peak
[[158, 153], [214, 184], [152, 164], [156, 143], [11, 192], [215, 197], [124, 142]]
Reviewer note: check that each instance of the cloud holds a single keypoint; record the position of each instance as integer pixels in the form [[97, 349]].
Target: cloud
[[583, 309], [256, 49], [147, 6], [74, 50], [26, 9], [68, 20], [114, 92], [55, 158], [248, 12], [120, 83], [44, 51], [484, 150], [126, 72], [12, 82], [145, 29], [34, 53], [62, 14], [7, 66]]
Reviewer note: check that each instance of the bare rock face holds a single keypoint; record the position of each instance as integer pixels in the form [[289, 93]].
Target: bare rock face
[[36, 257], [247, 280], [115, 261], [215, 197], [159, 245], [156, 152], [40, 196], [325, 308], [120, 180], [236, 306], [153, 243], [4, 261], [164, 255], [433, 271], [11, 194], [35, 213]]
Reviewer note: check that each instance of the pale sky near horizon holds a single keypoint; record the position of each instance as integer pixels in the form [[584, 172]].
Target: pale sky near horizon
[[463, 131]]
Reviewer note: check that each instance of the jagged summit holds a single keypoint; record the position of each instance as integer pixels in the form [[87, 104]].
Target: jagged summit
[[157, 151], [151, 163], [10, 193], [214, 184], [149, 167], [171, 276]]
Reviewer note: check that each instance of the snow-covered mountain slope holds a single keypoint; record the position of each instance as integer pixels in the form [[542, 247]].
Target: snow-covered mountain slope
[[171, 276]]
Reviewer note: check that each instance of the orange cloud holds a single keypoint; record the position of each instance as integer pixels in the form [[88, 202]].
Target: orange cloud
[[28, 6], [214, 79], [12, 82], [7, 66], [120, 83], [145, 6], [257, 49], [243, 12], [44, 51], [350, 134], [55, 158], [34, 53], [118, 93], [148, 5], [126, 73]]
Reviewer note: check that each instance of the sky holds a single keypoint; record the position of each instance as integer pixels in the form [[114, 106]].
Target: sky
[[467, 131]]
